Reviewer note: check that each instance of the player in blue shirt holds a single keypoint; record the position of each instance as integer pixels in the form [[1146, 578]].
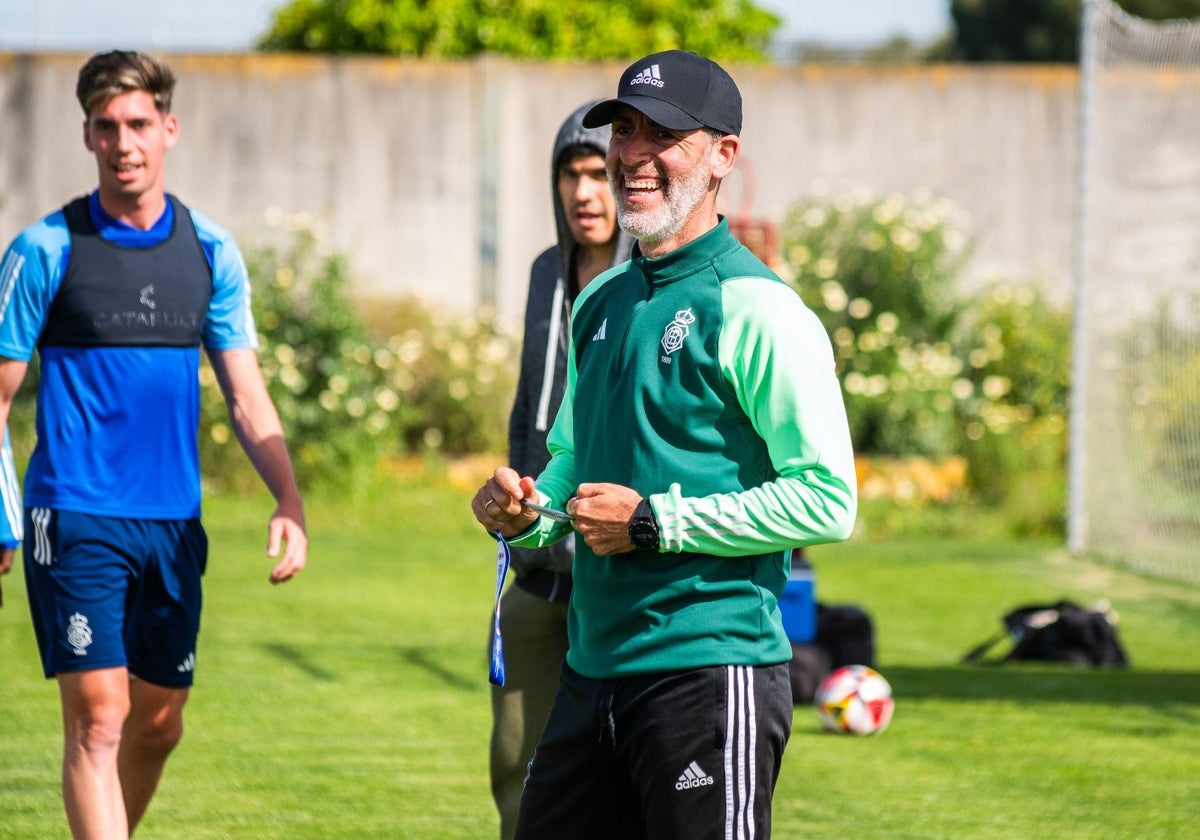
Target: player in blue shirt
[[117, 292]]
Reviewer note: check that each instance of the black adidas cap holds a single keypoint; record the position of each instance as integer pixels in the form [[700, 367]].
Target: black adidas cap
[[676, 89]]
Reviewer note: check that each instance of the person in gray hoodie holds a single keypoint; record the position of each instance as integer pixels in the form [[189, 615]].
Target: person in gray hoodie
[[533, 610]]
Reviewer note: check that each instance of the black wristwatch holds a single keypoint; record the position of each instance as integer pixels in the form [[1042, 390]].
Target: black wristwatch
[[643, 527]]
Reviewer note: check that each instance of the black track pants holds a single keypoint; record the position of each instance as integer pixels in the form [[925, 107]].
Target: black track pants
[[686, 755]]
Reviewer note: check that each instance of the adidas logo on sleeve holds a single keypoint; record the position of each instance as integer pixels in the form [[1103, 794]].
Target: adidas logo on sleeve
[[649, 76]]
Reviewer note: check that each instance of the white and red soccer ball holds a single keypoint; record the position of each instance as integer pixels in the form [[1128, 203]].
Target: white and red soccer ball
[[855, 699]]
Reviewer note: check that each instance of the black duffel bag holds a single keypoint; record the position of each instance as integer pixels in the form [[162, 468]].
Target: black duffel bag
[[1061, 632]]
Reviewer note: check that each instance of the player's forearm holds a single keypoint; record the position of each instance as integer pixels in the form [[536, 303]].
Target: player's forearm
[[12, 522], [256, 424], [12, 525], [258, 429]]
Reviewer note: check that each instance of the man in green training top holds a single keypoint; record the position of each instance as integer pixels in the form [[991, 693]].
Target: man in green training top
[[702, 436]]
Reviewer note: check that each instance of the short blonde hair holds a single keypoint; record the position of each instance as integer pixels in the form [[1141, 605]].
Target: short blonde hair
[[109, 74]]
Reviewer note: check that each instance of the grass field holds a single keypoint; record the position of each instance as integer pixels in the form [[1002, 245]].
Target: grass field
[[353, 702]]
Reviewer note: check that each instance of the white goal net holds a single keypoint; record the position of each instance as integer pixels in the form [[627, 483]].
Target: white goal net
[[1135, 438]]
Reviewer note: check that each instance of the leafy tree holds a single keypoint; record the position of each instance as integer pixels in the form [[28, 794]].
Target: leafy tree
[[1015, 30], [725, 30], [1036, 30]]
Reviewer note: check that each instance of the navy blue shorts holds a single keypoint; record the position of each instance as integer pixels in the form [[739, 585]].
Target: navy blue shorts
[[107, 592]]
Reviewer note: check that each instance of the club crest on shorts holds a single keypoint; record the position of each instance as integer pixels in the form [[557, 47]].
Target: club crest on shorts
[[676, 332], [79, 634]]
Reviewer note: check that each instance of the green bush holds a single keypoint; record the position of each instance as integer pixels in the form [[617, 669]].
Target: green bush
[[926, 370], [456, 376], [880, 273], [348, 399], [310, 345], [1016, 345]]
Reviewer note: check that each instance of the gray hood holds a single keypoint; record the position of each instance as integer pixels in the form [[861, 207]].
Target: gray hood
[[572, 133], [542, 380]]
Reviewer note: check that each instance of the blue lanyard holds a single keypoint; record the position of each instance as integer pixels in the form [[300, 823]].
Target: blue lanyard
[[503, 559]]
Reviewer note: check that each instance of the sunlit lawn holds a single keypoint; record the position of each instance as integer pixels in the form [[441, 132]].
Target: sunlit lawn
[[353, 703]]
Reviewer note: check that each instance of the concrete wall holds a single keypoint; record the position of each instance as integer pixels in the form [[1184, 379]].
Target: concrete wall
[[434, 177]]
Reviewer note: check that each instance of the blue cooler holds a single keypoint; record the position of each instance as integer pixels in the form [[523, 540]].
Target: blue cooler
[[798, 603]]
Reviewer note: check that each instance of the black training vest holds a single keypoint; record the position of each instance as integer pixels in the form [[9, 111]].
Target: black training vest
[[112, 296]]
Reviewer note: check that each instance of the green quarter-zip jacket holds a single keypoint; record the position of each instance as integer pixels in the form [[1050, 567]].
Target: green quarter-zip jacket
[[702, 381]]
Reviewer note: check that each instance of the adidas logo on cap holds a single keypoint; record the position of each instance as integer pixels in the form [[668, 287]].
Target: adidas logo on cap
[[701, 94], [649, 76]]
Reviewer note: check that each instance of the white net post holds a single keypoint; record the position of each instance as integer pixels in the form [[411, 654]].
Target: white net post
[[1134, 476], [1076, 453]]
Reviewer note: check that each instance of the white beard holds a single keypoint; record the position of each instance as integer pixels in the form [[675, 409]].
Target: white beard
[[680, 198]]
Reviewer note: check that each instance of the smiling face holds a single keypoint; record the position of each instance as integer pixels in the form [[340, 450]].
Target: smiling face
[[586, 200], [665, 180], [129, 138]]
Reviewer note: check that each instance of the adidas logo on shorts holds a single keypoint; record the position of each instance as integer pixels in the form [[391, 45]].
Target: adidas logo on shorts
[[649, 76], [693, 777]]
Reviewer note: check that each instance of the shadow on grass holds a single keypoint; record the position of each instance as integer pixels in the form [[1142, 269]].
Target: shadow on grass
[[298, 660], [1048, 683], [420, 658], [416, 657]]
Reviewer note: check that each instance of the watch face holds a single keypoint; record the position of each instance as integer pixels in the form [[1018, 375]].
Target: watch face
[[643, 534], [643, 528]]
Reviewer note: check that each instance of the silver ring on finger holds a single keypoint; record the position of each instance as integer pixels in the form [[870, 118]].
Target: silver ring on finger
[[490, 502]]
